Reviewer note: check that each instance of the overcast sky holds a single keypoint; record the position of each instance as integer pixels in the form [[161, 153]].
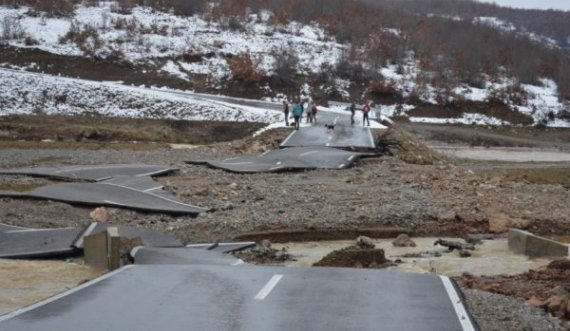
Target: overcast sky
[[538, 4]]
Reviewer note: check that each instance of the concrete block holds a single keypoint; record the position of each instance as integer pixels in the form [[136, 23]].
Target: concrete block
[[95, 250], [113, 248], [538, 246], [102, 250], [517, 240], [523, 242]]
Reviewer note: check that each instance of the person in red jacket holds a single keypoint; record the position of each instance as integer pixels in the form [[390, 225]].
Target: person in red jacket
[[365, 113]]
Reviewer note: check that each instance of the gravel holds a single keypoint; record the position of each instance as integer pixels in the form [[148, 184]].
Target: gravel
[[495, 312]]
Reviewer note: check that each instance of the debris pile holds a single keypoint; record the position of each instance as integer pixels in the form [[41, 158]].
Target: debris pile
[[263, 253], [362, 255]]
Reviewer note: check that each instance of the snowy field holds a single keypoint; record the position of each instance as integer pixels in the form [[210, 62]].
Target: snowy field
[[27, 93]]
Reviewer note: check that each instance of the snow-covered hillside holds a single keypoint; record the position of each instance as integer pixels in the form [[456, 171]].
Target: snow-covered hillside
[[183, 47], [27, 93], [195, 45]]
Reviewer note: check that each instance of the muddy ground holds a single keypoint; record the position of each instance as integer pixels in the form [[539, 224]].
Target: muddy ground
[[409, 187]]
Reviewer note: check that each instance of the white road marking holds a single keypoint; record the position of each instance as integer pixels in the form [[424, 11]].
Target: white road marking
[[113, 202], [239, 163], [264, 292], [238, 262], [308, 153], [351, 157], [275, 168], [153, 189], [289, 137], [341, 166], [457, 304], [149, 193]]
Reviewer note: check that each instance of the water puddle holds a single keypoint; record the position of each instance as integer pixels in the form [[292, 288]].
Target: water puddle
[[506, 154], [490, 258]]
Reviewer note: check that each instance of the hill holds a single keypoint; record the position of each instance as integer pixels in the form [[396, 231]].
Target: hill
[[430, 61]]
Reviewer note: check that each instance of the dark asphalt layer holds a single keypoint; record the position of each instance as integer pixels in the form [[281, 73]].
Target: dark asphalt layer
[[295, 158], [38, 243], [249, 298], [92, 172], [341, 136], [109, 194], [182, 255]]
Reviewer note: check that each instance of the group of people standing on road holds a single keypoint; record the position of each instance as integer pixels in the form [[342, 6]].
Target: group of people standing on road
[[365, 113], [298, 110]]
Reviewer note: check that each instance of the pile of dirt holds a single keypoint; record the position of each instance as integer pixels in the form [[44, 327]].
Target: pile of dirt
[[263, 253], [267, 140], [408, 148], [548, 288], [355, 257]]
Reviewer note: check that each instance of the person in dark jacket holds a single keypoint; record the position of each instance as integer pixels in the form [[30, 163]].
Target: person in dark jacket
[[314, 111], [286, 112], [352, 113]]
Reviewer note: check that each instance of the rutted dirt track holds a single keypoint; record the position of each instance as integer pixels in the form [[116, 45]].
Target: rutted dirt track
[[432, 195]]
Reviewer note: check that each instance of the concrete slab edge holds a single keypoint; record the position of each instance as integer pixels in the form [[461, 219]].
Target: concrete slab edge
[[529, 244], [78, 242], [21, 311]]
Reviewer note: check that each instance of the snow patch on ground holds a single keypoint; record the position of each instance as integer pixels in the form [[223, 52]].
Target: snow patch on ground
[[468, 118]]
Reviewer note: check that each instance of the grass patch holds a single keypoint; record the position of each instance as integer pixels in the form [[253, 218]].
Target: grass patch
[[19, 187], [95, 128], [549, 176]]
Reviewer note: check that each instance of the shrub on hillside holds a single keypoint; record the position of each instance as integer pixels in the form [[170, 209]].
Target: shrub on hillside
[[244, 68], [12, 28], [56, 8], [285, 66], [123, 6], [86, 38]]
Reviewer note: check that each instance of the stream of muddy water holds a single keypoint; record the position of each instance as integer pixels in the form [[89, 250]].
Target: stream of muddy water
[[492, 257]]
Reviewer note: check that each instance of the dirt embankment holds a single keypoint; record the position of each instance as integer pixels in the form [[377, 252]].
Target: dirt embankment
[[98, 129]]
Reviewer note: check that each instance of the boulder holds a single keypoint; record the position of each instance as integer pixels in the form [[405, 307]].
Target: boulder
[[100, 215], [403, 240], [365, 242]]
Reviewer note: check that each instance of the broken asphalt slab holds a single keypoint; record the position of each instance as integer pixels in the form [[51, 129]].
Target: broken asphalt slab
[[110, 194], [38, 243], [92, 172], [295, 158], [149, 238], [181, 255], [206, 297], [227, 247], [22, 243], [342, 136]]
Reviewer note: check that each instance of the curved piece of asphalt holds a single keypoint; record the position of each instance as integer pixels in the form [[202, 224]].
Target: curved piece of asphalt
[[109, 194], [92, 172], [297, 158]]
